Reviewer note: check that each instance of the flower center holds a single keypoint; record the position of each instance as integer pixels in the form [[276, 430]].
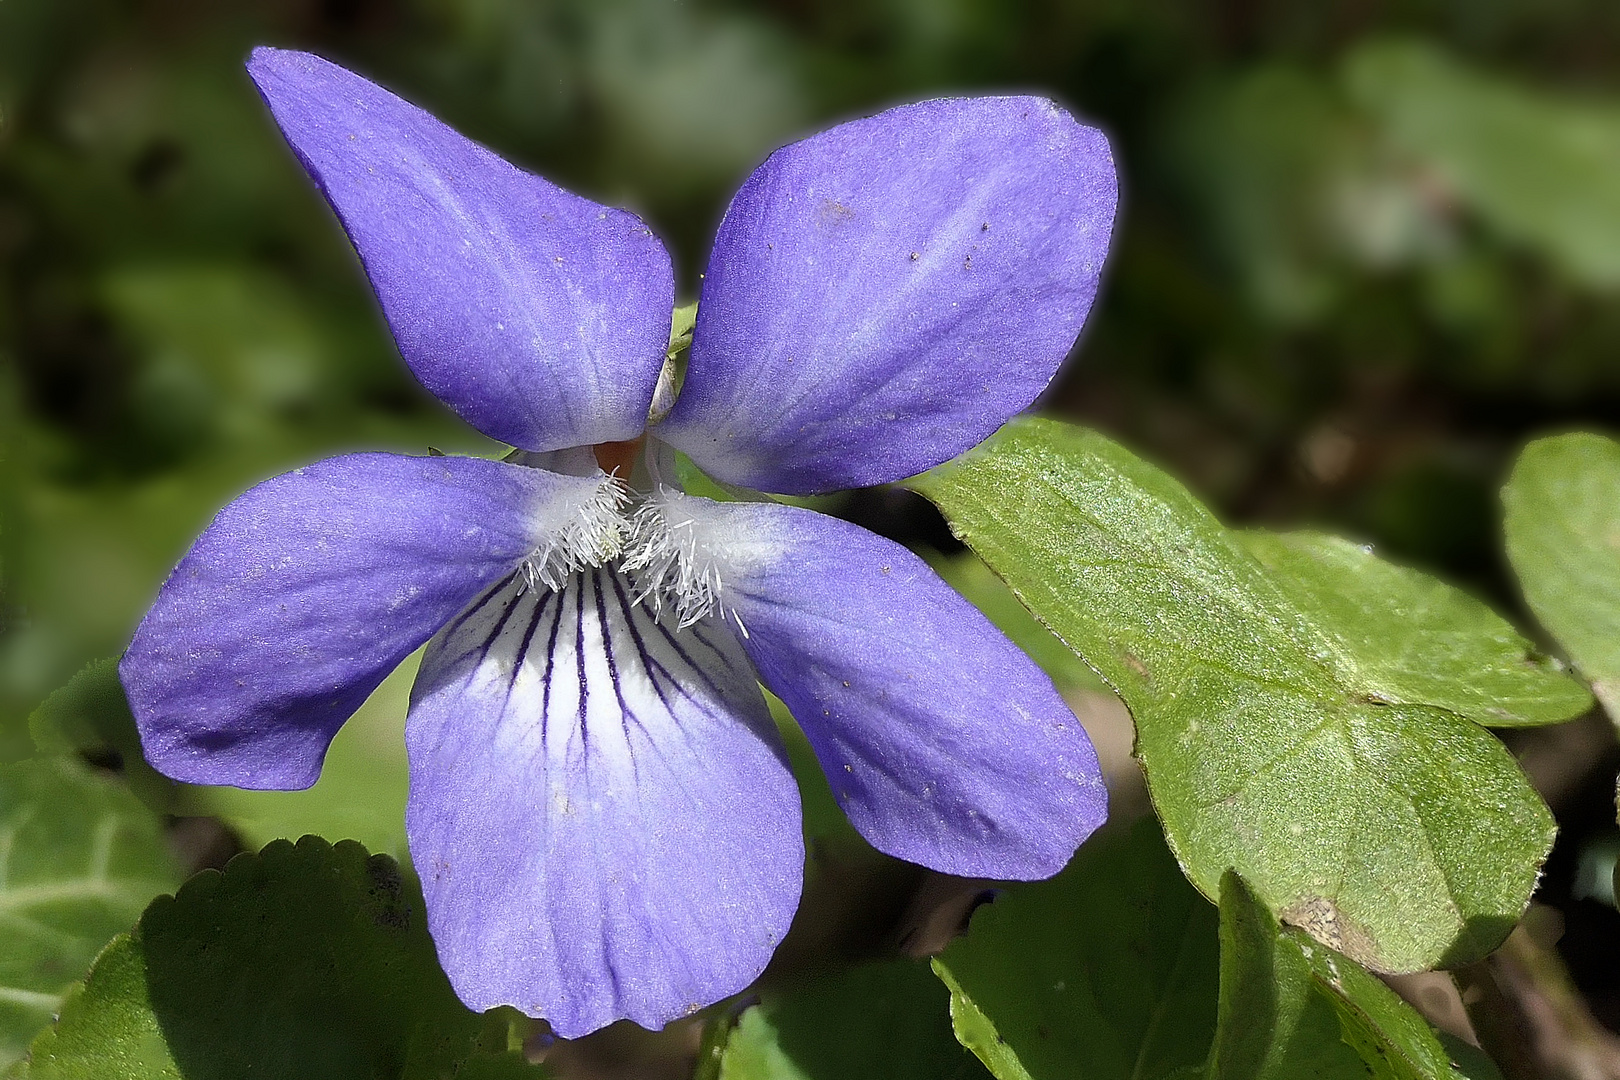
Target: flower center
[[671, 559], [618, 458], [656, 538]]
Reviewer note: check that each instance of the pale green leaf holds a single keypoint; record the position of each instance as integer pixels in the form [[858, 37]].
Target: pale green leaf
[[79, 858], [359, 796], [1543, 170], [1107, 971], [300, 961], [1563, 539], [1412, 638], [1279, 734], [90, 717]]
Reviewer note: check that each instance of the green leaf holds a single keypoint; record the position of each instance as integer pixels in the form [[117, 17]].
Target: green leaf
[[1106, 971], [90, 717], [1414, 638], [1563, 539], [79, 858], [1543, 170], [884, 1021], [1291, 1009], [307, 960], [1280, 733], [360, 795]]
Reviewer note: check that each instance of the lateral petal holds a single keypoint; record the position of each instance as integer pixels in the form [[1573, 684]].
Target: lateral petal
[[884, 295], [539, 316], [942, 741], [309, 589], [600, 808]]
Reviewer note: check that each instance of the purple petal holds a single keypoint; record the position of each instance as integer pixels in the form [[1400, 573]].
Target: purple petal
[[309, 589], [943, 742], [884, 295], [600, 809], [541, 317]]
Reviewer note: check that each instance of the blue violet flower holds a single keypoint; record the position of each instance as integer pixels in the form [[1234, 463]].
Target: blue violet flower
[[600, 806]]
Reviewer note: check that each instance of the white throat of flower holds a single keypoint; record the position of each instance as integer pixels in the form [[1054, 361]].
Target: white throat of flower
[[670, 560], [657, 538], [589, 533]]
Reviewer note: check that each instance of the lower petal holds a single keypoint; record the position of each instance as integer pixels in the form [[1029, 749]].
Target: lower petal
[[943, 742], [600, 810]]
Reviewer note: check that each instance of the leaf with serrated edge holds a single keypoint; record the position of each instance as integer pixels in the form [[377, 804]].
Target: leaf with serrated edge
[[306, 960], [79, 858], [1275, 738], [1107, 971], [1563, 539], [1291, 1009]]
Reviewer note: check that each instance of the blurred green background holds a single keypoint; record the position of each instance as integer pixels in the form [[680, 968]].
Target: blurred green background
[[1365, 248]]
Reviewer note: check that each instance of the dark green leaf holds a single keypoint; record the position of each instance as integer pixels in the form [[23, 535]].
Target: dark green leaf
[[1279, 732], [1106, 971], [885, 1021], [1563, 539], [1292, 1010], [79, 858], [300, 961]]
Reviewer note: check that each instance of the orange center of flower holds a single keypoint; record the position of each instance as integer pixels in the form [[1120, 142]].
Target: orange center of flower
[[618, 458]]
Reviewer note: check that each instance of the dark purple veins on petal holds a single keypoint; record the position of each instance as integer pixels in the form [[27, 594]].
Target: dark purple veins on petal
[[604, 830]]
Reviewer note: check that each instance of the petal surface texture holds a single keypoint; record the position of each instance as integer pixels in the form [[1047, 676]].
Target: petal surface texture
[[309, 589], [884, 295], [942, 741], [600, 808], [541, 317]]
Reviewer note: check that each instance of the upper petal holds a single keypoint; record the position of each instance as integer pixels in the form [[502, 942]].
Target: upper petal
[[541, 317], [943, 742], [599, 809], [309, 589], [884, 295]]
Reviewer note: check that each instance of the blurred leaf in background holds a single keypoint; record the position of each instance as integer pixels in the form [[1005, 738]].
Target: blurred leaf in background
[[79, 858]]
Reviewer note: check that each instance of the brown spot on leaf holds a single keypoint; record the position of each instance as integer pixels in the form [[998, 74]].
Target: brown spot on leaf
[[1321, 918]]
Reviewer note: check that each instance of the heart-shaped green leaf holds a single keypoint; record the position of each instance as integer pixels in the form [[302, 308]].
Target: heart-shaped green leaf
[[1306, 714]]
